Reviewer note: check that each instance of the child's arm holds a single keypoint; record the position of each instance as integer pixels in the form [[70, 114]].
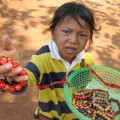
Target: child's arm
[[7, 70]]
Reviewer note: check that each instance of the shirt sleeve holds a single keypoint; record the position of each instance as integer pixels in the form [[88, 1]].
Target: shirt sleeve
[[33, 70]]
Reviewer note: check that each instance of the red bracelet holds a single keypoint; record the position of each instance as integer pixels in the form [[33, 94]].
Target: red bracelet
[[83, 94], [13, 86]]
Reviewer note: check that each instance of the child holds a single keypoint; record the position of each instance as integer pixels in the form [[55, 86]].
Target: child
[[72, 28]]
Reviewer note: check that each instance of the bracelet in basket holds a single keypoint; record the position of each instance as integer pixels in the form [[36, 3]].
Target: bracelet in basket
[[83, 94], [100, 93]]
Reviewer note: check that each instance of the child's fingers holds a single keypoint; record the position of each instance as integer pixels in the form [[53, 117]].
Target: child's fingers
[[19, 78], [5, 68], [14, 75], [13, 72]]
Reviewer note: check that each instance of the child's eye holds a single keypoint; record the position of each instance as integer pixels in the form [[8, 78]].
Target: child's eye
[[65, 31], [83, 35]]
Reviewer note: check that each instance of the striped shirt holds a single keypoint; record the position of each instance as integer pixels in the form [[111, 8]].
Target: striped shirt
[[46, 66]]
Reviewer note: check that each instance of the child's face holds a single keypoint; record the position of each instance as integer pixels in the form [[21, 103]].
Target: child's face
[[70, 37]]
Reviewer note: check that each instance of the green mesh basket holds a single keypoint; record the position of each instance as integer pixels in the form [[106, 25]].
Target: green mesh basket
[[81, 77]]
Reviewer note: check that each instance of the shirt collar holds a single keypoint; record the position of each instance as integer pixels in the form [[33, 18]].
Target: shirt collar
[[55, 53]]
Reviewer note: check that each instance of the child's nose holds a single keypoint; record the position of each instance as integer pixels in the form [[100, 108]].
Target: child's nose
[[73, 39]]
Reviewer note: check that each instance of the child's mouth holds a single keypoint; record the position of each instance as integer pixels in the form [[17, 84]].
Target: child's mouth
[[70, 50]]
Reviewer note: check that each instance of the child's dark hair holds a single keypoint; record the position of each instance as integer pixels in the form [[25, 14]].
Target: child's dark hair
[[75, 10]]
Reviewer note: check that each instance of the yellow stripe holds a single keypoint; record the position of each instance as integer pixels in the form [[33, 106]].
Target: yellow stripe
[[54, 95], [45, 64]]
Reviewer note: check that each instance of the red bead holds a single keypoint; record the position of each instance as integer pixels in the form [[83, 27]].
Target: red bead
[[23, 72], [23, 83], [3, 61], [15, 65], [86, 96], [2, 84], [89, 95], [7, 87], [80, 97], [83, 97], [18, 87], [12, 89], [76, 96]]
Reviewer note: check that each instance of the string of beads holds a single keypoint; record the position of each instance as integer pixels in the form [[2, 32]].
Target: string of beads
[[13, 86]]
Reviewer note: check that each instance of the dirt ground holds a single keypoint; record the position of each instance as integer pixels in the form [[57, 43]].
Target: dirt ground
[[27, 22]]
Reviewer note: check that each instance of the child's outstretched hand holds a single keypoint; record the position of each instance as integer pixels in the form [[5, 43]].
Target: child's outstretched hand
[[7, 69]]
